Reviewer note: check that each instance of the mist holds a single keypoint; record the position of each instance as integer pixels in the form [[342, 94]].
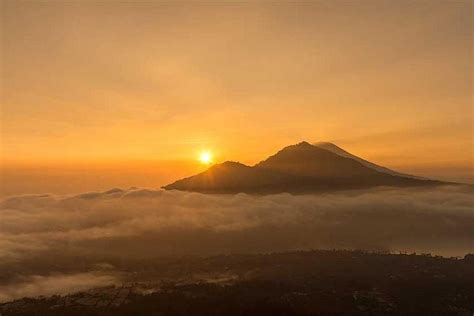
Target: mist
[[77, 239], [55, 284]]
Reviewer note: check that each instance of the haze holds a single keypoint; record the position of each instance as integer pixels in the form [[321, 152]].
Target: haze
[[96, 95], [41, 234]]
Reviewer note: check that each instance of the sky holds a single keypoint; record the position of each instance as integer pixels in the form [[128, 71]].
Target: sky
[[98, 94]]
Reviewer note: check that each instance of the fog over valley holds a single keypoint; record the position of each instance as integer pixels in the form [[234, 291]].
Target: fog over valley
[[87, 234]]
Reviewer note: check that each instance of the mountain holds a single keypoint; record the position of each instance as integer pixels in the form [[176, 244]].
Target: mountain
[[297, 168], [341, 152]]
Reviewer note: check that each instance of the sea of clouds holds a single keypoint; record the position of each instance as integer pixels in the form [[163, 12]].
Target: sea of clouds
[[45, 239]]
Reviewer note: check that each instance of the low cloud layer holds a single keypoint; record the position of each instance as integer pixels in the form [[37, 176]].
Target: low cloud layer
[[41, 231], [55, 284]]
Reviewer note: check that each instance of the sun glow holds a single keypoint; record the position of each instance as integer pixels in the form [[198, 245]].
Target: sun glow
[[205, 157]]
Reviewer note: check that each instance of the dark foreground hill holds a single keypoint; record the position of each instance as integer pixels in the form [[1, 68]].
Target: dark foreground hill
[[298, 168], [293, 283]]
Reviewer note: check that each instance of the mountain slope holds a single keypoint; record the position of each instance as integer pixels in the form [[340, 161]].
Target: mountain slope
[[228, 177], [341, 152], [304, 159], [297, 168]]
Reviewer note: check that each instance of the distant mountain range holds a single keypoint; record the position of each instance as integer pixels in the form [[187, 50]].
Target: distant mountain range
[[300, 168]]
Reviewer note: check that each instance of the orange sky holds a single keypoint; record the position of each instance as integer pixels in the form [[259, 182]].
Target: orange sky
[[127, 86]]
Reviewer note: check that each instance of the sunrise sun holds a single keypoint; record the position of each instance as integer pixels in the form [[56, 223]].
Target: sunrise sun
[[205, 157]]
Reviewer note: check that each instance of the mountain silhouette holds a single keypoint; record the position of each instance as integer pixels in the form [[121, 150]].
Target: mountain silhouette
[[341, 152], [299, 168]]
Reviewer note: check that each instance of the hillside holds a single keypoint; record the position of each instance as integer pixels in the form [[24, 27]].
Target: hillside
[[298, 168]]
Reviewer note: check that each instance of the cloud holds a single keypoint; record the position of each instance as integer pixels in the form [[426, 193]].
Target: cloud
[[387, 217], [55, 284], [46, 234]]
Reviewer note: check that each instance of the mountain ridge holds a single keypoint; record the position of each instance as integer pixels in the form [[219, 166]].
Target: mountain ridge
[[341, 152], [298, 168]]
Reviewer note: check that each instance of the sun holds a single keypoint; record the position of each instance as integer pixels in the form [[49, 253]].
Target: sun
[[205, 157]]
